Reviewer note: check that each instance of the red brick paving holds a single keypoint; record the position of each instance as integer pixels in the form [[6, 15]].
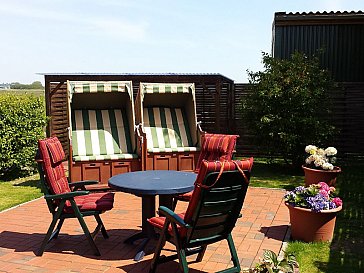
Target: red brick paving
[[263, 226]]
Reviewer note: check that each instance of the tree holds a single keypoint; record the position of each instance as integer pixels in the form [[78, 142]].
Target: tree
[[288, 107]]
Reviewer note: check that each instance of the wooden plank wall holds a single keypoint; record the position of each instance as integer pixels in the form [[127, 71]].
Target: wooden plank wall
[[56, 105], [347, 116]]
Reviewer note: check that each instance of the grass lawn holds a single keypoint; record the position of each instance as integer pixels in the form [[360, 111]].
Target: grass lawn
[[19, 191]]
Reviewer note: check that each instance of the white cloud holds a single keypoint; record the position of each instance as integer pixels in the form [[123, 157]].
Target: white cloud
[[100, 24]]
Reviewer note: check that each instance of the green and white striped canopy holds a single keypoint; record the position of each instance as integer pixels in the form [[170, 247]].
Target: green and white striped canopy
[[75, 87], [171, 88]]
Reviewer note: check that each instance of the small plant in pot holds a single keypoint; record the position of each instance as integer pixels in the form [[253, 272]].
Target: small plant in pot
[[319, 165], [313, 212]]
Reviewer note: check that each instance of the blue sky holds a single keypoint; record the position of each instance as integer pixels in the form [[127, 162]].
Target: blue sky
[[141, 36]]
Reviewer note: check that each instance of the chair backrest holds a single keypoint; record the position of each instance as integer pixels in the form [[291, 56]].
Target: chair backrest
[[216, 147], [217, 199], [50, 157]]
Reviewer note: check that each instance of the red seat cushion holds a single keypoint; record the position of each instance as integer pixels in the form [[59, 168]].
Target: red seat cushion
[[159, 221], [94, 201]]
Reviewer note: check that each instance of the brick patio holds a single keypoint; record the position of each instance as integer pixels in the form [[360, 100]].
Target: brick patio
[[264, 226]]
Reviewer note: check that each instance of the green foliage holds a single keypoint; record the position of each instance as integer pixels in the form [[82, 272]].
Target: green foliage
[[19, 191], [33, 85], [288, 107], [272, 264], [22, 121]]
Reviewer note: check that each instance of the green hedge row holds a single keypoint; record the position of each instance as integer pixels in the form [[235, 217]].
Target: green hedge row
[[22, 122]]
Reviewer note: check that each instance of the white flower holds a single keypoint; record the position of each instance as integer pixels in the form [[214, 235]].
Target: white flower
[[311, 149], [319, 162], [328, 166], [309, 159], [321, 152], [330, 151]]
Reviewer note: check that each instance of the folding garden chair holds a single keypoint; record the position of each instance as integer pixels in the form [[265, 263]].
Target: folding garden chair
[[215, 206], [214, 147], [64, 203]]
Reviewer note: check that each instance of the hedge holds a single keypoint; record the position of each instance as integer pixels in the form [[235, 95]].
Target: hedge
[[22, 122]]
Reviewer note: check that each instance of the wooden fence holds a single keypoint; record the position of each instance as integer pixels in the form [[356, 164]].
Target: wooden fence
[[347, 116]]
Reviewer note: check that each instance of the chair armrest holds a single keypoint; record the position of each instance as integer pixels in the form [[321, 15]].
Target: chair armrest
[[67, 195], [172, 216], [82, 184]]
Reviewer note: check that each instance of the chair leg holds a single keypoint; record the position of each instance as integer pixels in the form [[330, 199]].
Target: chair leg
[[157, 252], [49, 234], [182, 259], [84, 228], [234, 255], [101, 225], [181, 252], [58, 228], [174, 204], [201, 254]]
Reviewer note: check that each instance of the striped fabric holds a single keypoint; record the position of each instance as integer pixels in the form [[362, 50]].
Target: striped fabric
[[167, 88], [101, 135], [97, 86], [54, 172], [167, 130], [55, 150], [206, 168], [216, 147]]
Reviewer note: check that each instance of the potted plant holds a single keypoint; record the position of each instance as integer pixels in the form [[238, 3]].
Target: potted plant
[[319, 166], [312, 212]]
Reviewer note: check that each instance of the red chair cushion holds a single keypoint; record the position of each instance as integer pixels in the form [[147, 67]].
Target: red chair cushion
[[206, 167], [216, 147], [158, 222], [94, 201], [54, 171], [55, 150]]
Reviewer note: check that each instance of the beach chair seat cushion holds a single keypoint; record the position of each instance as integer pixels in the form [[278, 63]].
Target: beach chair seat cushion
[[101, 135], [167, 130]]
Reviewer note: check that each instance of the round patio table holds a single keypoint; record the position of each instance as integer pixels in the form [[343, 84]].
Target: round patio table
[[148, 184]]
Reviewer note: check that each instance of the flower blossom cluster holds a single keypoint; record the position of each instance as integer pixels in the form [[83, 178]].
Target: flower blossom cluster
[[316, 197], [320, 158]]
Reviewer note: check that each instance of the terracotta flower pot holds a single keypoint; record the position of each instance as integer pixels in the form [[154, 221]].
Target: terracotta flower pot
[[313, 176], [309, 226]]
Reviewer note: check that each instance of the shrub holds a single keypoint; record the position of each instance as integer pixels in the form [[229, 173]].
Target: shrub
[[288, 106], [22, 121]]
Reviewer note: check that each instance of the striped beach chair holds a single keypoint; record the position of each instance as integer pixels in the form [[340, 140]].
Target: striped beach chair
[[102, 127], [167, 113]]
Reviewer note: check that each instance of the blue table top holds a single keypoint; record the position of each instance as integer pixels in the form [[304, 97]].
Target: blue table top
[[154, 182]]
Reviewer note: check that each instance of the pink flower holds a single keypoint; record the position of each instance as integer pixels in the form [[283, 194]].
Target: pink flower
[[324, 193], [337, 201], [324, 186]]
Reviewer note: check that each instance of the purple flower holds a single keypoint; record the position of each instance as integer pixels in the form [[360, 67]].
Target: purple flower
[[316, 197]]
